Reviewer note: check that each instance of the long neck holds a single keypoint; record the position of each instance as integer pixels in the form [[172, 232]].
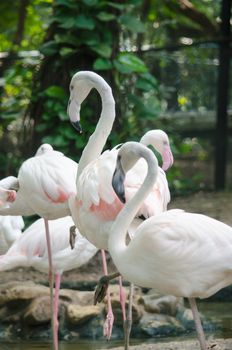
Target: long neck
[[117, 240], [97, 140]]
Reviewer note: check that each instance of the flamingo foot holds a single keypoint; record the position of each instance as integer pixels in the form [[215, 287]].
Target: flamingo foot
[[102, 287], [108, 325], [72, 236]]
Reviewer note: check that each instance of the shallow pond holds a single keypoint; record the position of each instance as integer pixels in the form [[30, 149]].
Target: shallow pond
[[218, 312]]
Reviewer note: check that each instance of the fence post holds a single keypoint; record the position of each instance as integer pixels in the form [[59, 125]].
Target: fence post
[[221, 132]]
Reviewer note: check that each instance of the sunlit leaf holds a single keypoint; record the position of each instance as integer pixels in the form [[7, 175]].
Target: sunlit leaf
[[128, 62], [66, 51], [102, 64]]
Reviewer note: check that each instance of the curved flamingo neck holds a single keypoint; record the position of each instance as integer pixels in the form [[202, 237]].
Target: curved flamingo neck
[[117, 240], [97, 140]]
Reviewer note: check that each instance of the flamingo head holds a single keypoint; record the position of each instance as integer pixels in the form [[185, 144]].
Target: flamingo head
[[44, 148], [80, 87], [127, 157], [160, 141]]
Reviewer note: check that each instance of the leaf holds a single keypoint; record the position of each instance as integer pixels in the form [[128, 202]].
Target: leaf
[[128, 63], [105, 16], [102, 49], [84, 22], [117, 6], [90, 2], [69, 23], [102, 64], [56, 140], [132, 23], [66, 39], [62, 115], [50, 48], [66, 3], [66, 51], [55, 92], [146, 82]]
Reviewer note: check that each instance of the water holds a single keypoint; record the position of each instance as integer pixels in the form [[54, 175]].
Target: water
[[218, 312], [82, 345]]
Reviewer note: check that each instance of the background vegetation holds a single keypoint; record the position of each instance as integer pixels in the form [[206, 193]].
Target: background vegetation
[[160, 58]]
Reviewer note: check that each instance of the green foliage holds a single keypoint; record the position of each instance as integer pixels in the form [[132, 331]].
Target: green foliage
[[115, 39]]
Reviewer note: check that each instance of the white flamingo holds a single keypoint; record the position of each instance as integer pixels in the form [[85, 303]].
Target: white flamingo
[[45, 183], [30, 249], [10, 229], [95, 206], [179, 253]]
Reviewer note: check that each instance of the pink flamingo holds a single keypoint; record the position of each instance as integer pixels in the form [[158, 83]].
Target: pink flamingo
[[175, 252], [30, 249], [96, 206], [45, 183]]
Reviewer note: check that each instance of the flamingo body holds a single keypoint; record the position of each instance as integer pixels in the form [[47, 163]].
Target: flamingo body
[[97, 205], [10, 229], [179, 253], [47, 181], [30, 249]]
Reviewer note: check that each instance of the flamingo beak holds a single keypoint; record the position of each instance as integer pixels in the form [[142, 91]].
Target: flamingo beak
[[118, 181], [77, 126], [167, 158]]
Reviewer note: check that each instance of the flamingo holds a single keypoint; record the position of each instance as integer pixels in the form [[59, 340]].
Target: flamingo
[[10, 229], [30, 250], [176, 252], [95, 205], [45, 183]]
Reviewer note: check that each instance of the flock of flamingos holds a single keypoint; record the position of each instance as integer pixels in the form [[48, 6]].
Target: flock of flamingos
[[116, 201]]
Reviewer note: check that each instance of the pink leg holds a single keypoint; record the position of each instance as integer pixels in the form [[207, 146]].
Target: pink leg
[[50, 272], [122, 295], [56, 311], [197, 320], [108, 325]]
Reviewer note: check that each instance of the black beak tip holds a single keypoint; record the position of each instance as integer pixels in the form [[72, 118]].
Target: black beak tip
[[123, 199], [77, 126]]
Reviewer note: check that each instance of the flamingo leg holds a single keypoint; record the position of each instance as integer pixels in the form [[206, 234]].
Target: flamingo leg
[[56, 311], [108, 325], [122, 296], [197, 320], [128, 321], [50, 273]]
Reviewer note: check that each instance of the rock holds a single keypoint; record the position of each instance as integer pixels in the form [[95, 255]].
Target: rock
[[160, 325], [38, 312], [117, 310], [17, 291], [76, 297], [77, 314], [162, 304]]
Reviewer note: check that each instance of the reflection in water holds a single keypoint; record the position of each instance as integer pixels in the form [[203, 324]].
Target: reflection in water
[[80, 345]]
